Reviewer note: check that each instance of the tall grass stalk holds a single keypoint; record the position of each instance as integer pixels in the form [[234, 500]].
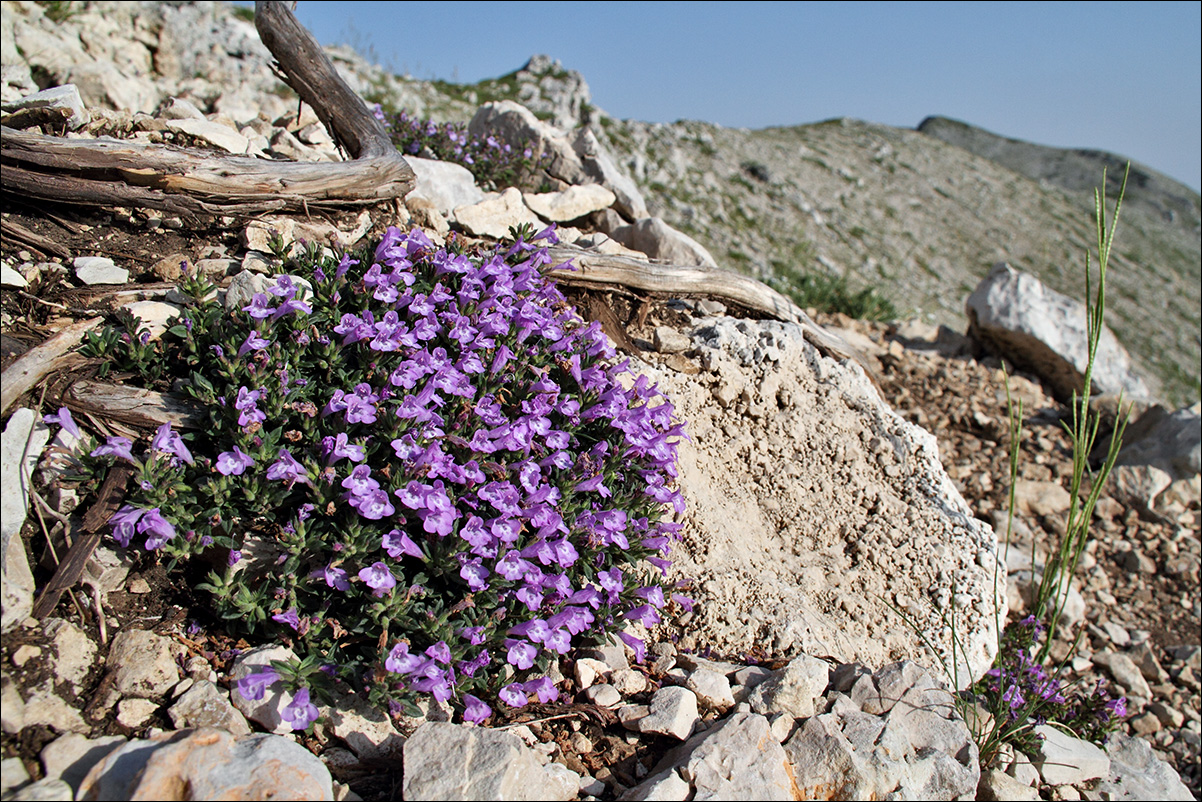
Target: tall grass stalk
[[1058, 573], [1019, 692]]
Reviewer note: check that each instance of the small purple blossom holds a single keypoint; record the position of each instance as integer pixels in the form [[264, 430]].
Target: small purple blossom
[[157, 529], [475, 711], [233, 463], [300, 712], [63, 418], [115, 446], [378, 578], [254, 686], [514, 695]]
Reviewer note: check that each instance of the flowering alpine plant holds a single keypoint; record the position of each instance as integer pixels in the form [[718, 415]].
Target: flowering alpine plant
[[493, 162], [418, 467], [1020, 693]]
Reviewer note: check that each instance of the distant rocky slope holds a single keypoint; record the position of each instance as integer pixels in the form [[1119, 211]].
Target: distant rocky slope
[[919, 218], [919, 215], [1076, 170]]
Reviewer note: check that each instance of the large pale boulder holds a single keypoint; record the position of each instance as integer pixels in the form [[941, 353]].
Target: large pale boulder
[[516, 124], [896, 736], [1174, 444], [568, 204], [452, 761], [445, 185], [496, 214], [1039, 329], [209, 763], [24, 438], [814, 513], [601, 168], [737, 759], [660, 241]]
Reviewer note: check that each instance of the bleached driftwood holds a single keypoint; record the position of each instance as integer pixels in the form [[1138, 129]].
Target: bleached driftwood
[[38, 362], [133, 406], [108, 172], [600, 271]]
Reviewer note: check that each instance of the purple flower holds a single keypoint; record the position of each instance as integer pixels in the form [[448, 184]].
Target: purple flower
[[398, 544], [289, 617], [254, 686], [159, 528], [378, 578], [233, 463], [636, 644], [290, 306], [544, 687], [474, 574], [259, 306], [124, 523], [116, 447], [513, 695], [300, 713], [645, 614], [253, 342], [475, 711], [373, 505], [336, 578], [169, 442], [286, 469], [399, 661], [339, 447], [64, 419], [233, 558], [521, 653], [439, 652], [475, 635]]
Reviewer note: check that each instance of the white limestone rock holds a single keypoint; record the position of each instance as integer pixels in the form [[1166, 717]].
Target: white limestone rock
[[736, 759], [445, 185], [99, 270], [20, 448], [673, 712], [205, 705], [154, 315], [215, 134], [451, 761], [792, 690], [569, 204], [1045, 332], [660, 241], [1065, 760], [266, 711], [211, 764], [496, 214], [65, 97], [143, 664]]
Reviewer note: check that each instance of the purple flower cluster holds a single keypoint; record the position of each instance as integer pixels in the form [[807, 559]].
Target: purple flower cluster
[[441, 451], [1020, 692], [493, 163]]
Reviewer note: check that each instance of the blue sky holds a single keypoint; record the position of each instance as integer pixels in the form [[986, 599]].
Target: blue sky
[[1120, 76]]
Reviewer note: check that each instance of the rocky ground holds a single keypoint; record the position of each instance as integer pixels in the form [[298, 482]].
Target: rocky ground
[[135, 653], [1138, 581]]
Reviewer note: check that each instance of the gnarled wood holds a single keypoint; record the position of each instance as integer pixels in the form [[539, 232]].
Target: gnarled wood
[[607, 271], [106, 171], [22, 375], [133, 406]]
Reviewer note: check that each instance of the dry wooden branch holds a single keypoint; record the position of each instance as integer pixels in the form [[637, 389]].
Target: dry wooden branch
[[108, 500], [32, 239], [606, 271], [105, 171], [133, 405], [35, 364]]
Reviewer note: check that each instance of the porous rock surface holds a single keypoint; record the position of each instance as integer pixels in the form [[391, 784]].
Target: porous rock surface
[[813, 509]]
